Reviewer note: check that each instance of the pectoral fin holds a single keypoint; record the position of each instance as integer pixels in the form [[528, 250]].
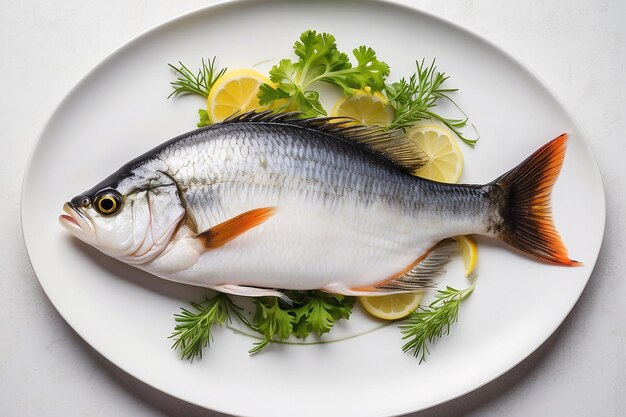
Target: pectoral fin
[[223, 233], [419, 275]]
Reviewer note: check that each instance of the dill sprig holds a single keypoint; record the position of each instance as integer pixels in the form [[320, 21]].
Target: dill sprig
[[428, 323], [200, 83], [415, 99], [193, 329]]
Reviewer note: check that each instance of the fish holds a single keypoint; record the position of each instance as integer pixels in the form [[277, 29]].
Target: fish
[[265, 202]]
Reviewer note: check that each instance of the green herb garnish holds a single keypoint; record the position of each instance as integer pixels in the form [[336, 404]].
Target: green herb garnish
[[200, 83], [428, 323], [415, 99], [193, 329], [204, 118], [311, 312], [320, 311], [271, 320], [319, 60]]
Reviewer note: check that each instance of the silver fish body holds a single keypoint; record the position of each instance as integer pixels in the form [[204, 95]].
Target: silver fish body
[[340, 215]]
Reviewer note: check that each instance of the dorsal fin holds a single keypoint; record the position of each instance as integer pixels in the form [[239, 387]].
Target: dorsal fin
[[391, 145]]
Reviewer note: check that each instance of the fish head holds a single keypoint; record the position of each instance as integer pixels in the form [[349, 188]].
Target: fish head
[[129, 216]]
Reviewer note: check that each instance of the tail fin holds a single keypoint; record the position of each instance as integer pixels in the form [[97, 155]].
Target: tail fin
[[525, 204]]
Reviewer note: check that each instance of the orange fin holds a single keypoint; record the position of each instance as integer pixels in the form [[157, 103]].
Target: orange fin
[[223, 233], [418, 275], [525, 197]]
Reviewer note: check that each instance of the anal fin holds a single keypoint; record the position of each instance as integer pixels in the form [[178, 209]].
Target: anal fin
[[419, 275]]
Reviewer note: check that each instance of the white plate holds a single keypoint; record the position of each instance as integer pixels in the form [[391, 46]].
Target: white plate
[[119, 110]]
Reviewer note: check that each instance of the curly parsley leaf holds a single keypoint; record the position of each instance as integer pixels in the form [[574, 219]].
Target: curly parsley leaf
[[204, 118], [320, 312], [310, 312], [271, 320], [319, 60]]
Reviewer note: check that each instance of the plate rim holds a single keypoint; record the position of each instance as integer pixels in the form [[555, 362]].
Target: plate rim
[[224, 6]]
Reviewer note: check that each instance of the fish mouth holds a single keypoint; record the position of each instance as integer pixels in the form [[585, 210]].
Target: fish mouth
[[76, 223]]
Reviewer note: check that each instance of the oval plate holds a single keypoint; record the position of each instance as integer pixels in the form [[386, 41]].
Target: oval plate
[[119, 110]]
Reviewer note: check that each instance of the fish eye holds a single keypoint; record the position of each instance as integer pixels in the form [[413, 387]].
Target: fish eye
[[108, 202]]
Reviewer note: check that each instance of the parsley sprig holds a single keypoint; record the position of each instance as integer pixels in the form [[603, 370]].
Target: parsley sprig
[[319, 60], [271, 320], [318, 312], [311, 312], [426, 324]]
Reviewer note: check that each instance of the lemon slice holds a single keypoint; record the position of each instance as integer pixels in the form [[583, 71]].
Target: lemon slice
[[445, 161], [469, 253], [235, 92], [391, 307], [367, 109]]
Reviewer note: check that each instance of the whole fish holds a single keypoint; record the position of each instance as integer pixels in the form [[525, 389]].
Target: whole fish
[[264, 202]]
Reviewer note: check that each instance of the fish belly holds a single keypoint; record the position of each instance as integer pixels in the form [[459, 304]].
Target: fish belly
[[313, 243]]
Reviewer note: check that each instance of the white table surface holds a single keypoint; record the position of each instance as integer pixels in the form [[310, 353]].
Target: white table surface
[[576, 47]]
